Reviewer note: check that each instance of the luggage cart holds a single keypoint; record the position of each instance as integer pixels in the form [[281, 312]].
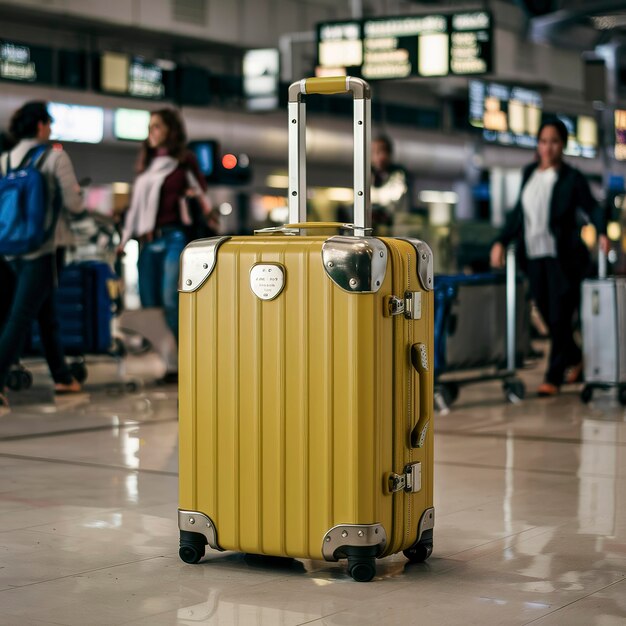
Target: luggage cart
[[448, 388]]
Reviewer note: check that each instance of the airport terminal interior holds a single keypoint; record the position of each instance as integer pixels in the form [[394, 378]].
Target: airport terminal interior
[[411, 413]]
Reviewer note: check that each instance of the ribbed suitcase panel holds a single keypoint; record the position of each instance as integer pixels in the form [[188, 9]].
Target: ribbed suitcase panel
[[292, 403]]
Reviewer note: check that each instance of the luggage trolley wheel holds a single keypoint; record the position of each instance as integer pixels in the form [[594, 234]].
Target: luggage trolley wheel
[[422, 549], [621, 394], [192, 547], [587, 394], [19, 378], [514, 390]]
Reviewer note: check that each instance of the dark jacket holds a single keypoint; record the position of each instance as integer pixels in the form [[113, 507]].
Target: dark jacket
[[571, 207]]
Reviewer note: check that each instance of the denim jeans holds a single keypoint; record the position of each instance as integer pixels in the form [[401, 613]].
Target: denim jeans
[[158, 268], [28, 293]]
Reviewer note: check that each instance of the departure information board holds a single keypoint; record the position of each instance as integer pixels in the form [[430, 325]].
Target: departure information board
[[25, 63], [582, 133], [406, 46], [508, 115], [132, 76]]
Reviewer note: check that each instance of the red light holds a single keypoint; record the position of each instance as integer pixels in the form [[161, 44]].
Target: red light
[[57, 147], [229, 161]]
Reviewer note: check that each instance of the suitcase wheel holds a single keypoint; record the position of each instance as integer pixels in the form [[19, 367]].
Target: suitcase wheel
[[587, 394], [421, 550], [361, 563], [192, 547], [19, 378]]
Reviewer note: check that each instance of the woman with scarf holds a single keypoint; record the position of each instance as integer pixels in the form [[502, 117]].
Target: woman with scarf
[[158, 215]]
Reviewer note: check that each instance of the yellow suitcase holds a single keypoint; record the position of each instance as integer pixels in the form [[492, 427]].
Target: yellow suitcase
[[306, 382]]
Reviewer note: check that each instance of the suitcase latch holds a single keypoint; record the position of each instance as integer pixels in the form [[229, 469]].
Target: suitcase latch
[[410, 481], [410, 306]]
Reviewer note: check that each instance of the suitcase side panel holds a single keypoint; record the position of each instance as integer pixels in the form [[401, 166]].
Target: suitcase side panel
[[286, 475], [413, 394]]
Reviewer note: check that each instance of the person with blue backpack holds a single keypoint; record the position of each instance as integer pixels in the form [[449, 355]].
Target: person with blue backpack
[[38, 188]]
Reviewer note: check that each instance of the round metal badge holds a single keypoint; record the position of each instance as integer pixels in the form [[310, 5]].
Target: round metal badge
[[267, 280]]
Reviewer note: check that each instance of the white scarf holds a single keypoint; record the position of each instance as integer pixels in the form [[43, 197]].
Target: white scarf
[[144, 206]]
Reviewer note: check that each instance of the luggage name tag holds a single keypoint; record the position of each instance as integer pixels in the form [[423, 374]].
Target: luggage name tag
[[267, 280]]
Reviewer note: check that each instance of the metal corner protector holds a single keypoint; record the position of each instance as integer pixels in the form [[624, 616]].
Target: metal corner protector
[[197, 262]]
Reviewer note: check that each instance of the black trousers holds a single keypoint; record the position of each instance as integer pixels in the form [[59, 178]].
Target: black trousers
[[558, 299], [27, 292]]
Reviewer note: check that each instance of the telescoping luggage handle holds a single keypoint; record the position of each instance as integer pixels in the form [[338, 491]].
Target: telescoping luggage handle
[[297, 146]]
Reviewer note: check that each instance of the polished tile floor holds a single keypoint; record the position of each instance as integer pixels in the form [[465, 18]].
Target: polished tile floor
[[531, 522]]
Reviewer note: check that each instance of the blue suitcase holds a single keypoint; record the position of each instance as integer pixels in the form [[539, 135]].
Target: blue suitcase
[[85, 303]]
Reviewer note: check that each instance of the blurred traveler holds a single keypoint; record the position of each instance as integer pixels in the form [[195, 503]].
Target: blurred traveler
[[33, 275], [159, 215], [390, 186], [554, 203]]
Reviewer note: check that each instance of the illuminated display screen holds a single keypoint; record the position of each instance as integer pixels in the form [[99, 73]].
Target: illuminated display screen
[[205, 152], [582, 135], [507, 115], [260, 79], [405, 46], [131, 76], [131, 124], [72, 122], [24, 63]]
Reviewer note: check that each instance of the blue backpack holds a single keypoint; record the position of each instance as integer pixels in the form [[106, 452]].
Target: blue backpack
[[24, 205]]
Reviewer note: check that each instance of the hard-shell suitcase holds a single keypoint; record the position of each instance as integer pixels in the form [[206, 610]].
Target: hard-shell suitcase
[[604, 333], [306, 382], [85, 308]]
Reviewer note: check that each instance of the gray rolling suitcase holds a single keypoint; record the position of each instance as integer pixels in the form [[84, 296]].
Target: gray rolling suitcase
[[604, 333]]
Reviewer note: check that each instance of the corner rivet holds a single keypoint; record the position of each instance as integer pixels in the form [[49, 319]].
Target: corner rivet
[[331, 264], [352, 282], [382, 254], [327, 539], [360, 533], [294, 193], [192, 520], [423, 257], [344, 534], [360, 193], [293, 121], [205, 266], [188, 282]]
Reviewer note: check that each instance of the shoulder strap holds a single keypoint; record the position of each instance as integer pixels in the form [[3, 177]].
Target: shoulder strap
[[35, 154]]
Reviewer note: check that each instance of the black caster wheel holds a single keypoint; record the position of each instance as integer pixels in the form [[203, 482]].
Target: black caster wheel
[[14, 380], [362, 570], [191, 552], [587, 394], [514, 390], [621, 395], [79, 371], [192, 547], [26, 379], [419, 553]]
